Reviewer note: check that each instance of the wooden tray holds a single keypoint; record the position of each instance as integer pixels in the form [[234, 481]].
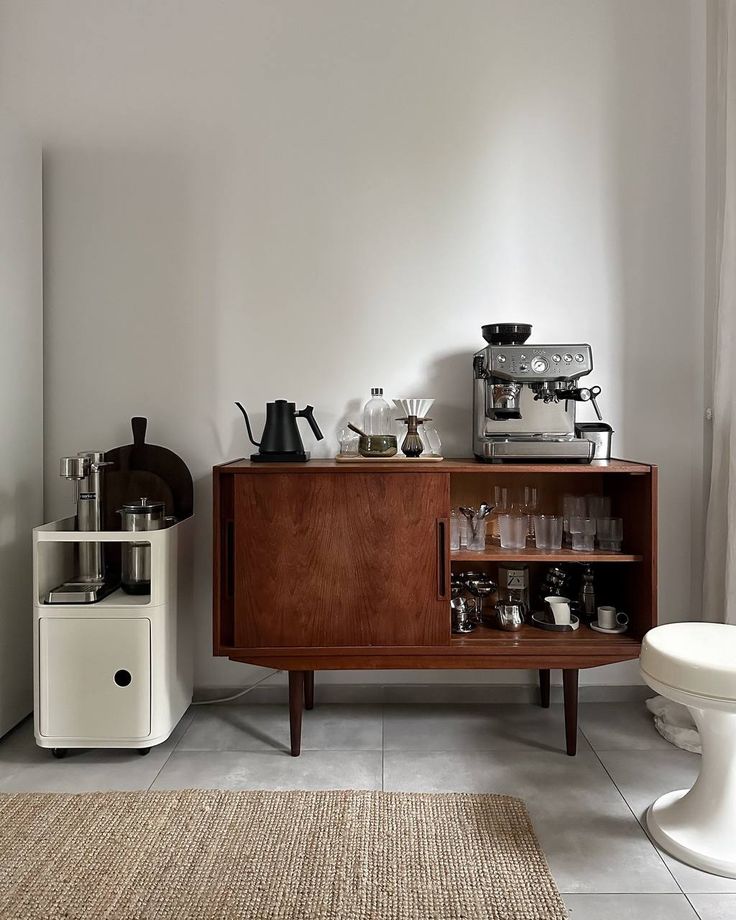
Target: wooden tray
[[399, 458]]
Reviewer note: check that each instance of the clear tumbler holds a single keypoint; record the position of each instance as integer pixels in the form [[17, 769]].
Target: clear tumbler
[[548, 531], [513, 529], [610, 534], [583, 534]]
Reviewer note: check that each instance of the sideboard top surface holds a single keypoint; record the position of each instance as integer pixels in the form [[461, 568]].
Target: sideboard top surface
[[459, 465]]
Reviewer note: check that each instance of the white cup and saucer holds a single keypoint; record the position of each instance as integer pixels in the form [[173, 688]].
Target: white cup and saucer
[[610, 620], [557, 615]]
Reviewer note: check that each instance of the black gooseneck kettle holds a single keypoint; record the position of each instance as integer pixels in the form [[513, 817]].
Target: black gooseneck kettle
[[281, 441]]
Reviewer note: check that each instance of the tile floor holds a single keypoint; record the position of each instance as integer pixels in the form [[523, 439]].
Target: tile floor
[[587, 810]]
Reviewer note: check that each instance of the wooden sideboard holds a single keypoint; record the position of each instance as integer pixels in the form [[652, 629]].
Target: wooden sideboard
[[334, 566]]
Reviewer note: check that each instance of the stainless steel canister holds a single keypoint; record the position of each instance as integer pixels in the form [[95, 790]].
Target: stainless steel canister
[[140, 516]]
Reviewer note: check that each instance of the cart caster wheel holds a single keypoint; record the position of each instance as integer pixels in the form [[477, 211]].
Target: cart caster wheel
[[144, 751], [59, 753]]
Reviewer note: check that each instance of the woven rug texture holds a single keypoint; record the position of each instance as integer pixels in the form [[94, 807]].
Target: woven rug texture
[[271, 856]]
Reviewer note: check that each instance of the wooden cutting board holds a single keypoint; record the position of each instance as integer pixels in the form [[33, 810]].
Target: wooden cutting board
[[148, 470]]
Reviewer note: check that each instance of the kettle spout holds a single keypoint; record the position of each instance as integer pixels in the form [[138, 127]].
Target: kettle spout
[[247, 425]]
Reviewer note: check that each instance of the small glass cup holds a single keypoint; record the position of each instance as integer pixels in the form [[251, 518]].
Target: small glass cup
[[610, 534], [348, 443], [513, 528], [582, 530], [548, 531]]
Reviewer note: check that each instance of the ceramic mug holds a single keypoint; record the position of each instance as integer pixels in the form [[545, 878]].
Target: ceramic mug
[[559, 607], [608, 618]]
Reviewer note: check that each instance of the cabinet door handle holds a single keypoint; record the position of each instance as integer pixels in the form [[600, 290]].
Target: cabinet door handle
[[442, 524], [230, 559]]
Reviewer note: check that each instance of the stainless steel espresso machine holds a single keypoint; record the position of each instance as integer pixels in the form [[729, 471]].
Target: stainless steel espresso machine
[[525, 397], [91, 584]]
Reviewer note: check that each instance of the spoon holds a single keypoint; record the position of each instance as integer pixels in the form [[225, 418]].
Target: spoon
[[471, 516], [357, 430]]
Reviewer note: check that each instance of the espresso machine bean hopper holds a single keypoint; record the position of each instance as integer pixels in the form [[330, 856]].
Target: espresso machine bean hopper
[[525, 398], [90, 585]]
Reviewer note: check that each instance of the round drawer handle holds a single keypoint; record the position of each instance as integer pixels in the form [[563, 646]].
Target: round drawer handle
[[122, 678]]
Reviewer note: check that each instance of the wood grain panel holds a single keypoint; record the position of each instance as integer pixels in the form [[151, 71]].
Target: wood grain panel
[[340, 559]]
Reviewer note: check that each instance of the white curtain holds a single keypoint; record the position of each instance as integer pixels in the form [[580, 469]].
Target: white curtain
[[719, 589], [672, 720]]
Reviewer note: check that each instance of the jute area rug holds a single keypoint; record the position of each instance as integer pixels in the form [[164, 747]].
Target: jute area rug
[[271, 856]]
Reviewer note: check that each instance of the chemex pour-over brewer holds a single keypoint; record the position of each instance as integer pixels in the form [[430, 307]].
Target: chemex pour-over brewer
[[281, 441]]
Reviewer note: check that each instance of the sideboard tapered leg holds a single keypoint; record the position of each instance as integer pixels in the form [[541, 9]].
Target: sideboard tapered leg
[[570, 690], [309, 689], [544, 688], [296, 707]]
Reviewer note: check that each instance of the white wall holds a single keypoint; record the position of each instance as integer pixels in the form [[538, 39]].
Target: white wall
[[21, 412], [252, 200]]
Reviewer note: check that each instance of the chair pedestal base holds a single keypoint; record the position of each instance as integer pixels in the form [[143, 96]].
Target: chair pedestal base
[[697, 826]]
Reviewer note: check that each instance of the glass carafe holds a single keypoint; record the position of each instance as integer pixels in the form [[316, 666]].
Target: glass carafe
[[377, 415]]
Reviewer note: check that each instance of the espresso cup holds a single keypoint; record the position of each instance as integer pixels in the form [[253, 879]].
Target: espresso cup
[[608, 618], [559, 607]]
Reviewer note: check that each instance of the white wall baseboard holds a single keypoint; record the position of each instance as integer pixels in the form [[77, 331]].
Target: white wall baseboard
[[429, 693]]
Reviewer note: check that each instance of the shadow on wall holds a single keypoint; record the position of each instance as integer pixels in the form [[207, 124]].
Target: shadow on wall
[[446, 375], [129, 289], [654, 249]]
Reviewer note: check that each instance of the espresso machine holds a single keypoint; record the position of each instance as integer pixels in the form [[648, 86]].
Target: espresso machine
[[525, 397], [90, 585]]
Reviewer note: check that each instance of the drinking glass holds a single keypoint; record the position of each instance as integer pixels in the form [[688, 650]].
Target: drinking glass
[[431, 439], [501, 504], [597, 506], [477, 535], [454, 531], [572, 506], [530, 505], [582, 530], [348, 443], [548, 531], [610, 534], [513, 529]]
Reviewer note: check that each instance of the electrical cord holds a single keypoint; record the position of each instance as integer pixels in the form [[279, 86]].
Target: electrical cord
[[236, 696]]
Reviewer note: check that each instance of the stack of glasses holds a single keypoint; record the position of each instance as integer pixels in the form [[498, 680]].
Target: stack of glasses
[[587, 517]]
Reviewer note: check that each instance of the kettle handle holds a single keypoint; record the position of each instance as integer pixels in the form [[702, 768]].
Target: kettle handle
[[308, 413], [247, 425]]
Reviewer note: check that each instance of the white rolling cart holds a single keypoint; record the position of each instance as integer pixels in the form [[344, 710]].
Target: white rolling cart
[[116, 673]]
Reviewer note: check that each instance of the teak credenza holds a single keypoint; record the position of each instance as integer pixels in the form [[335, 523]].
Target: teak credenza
[[334, 566]]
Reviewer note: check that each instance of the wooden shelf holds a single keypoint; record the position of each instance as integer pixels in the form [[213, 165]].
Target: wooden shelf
[[532, 554], [448, 465], [582, 638]]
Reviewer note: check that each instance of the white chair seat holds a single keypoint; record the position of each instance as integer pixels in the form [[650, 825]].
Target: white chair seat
[[699, 658], [695, 664]]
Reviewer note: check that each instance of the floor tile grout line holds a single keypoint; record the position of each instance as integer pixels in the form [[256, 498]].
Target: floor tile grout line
[[695, 909], [383, 747], [173, 749], [636, 817]]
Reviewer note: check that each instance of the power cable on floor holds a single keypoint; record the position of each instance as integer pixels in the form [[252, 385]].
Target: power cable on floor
[[236, 696]]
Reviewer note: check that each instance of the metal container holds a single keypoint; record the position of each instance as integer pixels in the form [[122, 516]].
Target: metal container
[[510, 616], [140, 516], [600, 434]]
